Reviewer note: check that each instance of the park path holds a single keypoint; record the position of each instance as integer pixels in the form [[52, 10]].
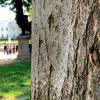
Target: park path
[[5, 59]]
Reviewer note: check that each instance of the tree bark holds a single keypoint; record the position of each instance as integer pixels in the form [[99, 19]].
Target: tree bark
[[63, 33]]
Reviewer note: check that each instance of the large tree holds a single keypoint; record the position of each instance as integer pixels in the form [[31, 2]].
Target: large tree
[[65, 52]]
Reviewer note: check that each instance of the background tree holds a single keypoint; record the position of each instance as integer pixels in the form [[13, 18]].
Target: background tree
[[17, 6], [66, 35], [22, 20]]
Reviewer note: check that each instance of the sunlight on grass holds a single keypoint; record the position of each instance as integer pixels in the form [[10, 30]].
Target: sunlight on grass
[[2, 42], [27, 82], [8, 84], [12, 94], [10, 98], [15, 80]]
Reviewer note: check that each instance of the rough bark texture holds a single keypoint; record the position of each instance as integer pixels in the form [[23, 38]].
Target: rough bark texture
[[63, 33]]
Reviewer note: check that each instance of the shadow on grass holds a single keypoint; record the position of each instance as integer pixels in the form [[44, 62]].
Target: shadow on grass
[[15, 80]]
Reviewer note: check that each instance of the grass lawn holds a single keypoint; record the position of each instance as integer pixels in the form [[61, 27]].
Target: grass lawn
[[2, 42], [15, 80]]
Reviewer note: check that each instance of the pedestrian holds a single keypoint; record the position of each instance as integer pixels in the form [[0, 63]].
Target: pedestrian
[[5, 49], [8, 49], [14, 49]]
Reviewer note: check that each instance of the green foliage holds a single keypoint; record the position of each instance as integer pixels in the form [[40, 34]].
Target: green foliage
[[30, 13], [15, 80], [26, 4], [28, 34]]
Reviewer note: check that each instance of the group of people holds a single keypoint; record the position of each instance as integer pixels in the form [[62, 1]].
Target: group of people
[[10, 49]]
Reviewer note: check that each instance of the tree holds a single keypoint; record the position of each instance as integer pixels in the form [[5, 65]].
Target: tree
[[22, 20], [66, 35], [26, 4]]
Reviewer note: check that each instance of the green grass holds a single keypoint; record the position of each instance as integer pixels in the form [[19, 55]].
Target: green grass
[[2, 42], [15, 42], [15, 80]]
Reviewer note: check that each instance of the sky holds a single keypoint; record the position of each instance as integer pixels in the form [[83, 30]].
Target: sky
[[6, 14]]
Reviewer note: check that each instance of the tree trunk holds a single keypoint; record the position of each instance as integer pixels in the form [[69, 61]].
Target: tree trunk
[[64, 31], [19, 15]]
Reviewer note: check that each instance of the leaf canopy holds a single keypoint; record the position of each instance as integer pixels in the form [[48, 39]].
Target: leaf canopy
[[26, 4]]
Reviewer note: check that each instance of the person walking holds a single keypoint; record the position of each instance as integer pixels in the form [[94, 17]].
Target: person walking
[[5, 49]]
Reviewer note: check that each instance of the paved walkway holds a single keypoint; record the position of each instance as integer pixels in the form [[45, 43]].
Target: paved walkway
[[4, 58], [7, 57]]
